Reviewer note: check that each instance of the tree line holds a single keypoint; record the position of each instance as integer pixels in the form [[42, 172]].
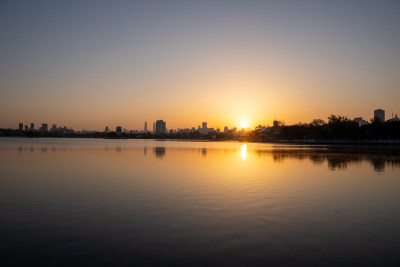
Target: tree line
[[336, 128]]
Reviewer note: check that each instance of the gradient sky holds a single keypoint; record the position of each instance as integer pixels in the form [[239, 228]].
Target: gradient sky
[[88, 64]]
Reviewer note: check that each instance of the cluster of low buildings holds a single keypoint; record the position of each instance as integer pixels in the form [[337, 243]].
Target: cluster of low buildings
[[44, 128], [204, 129], [160, 127]]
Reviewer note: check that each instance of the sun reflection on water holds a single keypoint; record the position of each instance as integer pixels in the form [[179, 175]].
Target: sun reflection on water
[[244, 151]]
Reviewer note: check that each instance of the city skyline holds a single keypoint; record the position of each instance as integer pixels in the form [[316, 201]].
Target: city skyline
[[88, 63], [159, 126], [200, 132]]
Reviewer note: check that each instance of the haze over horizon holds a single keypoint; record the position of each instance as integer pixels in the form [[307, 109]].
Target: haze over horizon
[[88, 64]]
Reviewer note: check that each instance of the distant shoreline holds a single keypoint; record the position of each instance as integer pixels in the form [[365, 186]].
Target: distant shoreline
[[242, 140]]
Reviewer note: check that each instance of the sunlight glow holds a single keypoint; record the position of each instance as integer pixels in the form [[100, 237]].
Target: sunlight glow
[[244, 124]]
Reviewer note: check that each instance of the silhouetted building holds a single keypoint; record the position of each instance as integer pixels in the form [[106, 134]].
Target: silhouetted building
[[145, 126], [154, 127], [275, 123], [21, 126], [379, 114], [360, 121], [118, 129], [32, 126], [26, 128], [394, 119], [204, 129], [107, 130], [54, 128], [226, 129], [44, 128], [161, 127]]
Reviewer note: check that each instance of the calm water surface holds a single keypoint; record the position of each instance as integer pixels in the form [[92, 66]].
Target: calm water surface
[[147, 202]]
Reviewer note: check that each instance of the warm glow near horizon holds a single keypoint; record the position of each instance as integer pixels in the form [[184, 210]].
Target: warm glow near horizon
[[89, 66], [244, 124]]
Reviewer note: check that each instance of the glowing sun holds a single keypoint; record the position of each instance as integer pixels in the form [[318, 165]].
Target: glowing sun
[[244, 124]]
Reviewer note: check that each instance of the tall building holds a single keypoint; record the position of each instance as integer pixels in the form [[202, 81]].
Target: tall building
[[161, 127], [204, 129], [21, 126], [26, 128], [54, 128], [226, 129], [118, 129], [379, 114], [44, 127], [145, 126], [32, 126], [107, 130]]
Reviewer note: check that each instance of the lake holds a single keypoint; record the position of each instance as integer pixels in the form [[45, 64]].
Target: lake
[[149, 202]]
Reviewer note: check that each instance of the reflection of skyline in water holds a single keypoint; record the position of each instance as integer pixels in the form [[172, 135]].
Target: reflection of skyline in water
[[204, 152], [336, 158], [159, 152], [232, 198]]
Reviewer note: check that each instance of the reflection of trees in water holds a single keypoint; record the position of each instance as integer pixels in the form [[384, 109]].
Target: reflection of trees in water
[[278, 157], [159, 152], [379, 164], [339, 158], [317, 159], [341, 162]]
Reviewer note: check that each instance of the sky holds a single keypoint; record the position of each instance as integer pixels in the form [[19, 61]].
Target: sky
[[88, 64]]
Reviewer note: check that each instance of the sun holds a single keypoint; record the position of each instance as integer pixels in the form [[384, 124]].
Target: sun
[[244, 124]]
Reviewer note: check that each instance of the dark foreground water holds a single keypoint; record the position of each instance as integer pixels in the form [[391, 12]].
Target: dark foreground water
[[143, 203]]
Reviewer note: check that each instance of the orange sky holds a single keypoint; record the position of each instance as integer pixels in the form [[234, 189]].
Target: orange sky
[[91, 66]]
